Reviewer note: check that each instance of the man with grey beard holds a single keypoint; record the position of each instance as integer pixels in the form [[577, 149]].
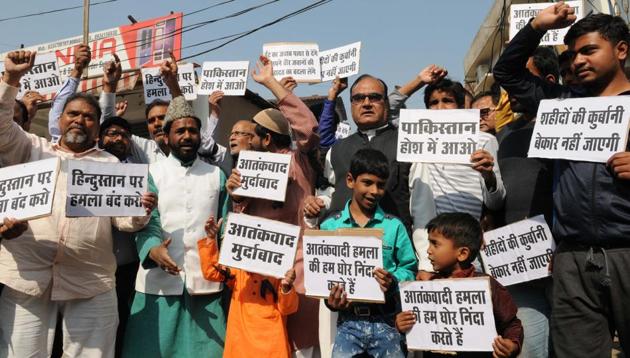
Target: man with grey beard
[[59, 265]]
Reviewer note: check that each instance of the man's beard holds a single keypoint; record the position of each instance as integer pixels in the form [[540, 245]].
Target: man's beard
[[73, 138]]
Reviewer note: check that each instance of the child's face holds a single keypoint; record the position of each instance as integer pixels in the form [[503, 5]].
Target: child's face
[[367, 190], [443, 254]]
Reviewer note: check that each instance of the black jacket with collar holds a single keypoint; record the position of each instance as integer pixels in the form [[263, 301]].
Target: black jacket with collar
[[591, 206]]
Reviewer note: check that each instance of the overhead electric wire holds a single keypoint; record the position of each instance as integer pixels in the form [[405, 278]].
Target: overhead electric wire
[[237, 36], [247, 33], [53, 11], [183, 29]]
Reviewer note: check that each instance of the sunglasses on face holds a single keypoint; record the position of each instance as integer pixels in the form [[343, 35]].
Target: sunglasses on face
[[372, 97], [484, 112], [115, 133]]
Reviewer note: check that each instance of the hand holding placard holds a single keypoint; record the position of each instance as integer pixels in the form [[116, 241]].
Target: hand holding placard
[[338, 298], [287, 281], [619, 163]]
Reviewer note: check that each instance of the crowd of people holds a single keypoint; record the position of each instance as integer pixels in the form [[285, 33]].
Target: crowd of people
[[152, 285]]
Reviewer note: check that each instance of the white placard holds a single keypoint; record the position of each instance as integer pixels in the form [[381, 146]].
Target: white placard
[[342, 259], [453, 315], [343, 130], [155, 88], [518, 252], [27, 190], [299, 60], [263, 246], [341, 61], [230, 77], [106, 189], [263, 175], [437, 136], [521, 13], [186, 80], [43, 77], [586, 129]]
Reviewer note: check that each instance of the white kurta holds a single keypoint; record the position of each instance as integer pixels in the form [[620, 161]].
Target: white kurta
[[188, 196]]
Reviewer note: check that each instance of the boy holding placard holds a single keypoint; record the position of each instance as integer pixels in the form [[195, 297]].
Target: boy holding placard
[[257, 319], [454, 243], [369, 170]]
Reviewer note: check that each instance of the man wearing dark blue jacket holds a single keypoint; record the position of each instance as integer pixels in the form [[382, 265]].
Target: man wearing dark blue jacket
[[591, 200]]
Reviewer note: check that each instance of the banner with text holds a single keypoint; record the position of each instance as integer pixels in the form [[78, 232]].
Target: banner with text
[[299, 60], [155, 88], [586, 129], [43, 77], [230, 77], [521, 13], [453, 315], [437, 136], [341, 61], [27, 190], [106, 189], [263, 246], [346, 258], [263, 175], [145, 43], [518, 252]]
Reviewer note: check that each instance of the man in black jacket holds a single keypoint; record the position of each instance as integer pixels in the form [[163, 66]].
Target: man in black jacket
[[591, 200], [368, 97]]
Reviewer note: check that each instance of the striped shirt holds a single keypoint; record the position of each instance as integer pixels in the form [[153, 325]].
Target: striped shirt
[[459, 188]]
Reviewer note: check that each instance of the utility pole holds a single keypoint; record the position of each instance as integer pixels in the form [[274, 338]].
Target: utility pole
[[86, 28]]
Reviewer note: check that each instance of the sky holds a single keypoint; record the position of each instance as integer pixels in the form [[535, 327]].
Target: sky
[[399, 37]]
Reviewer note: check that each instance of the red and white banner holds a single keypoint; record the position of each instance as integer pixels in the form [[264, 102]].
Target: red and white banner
[[143, 44]]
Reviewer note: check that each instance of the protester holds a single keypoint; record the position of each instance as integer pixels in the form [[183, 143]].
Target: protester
[[69, 260], [457, 187], [486, 103], [115, 134], [591, 201], [273, 134], [528, 184], [364, 328], [240, 136], [565, 60], [369, 112], [327, 125], [455, 241], [183, 310], [450, 187], [255, 320], [25, 109]]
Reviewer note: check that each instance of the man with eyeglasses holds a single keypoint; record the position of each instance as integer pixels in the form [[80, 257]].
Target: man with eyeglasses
[[273, 129], [115, 138], [368, 97], [486, 103], [240, 139]]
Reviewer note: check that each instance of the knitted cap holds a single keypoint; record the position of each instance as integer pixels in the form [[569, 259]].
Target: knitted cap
[[273, 120], [178, 108]]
